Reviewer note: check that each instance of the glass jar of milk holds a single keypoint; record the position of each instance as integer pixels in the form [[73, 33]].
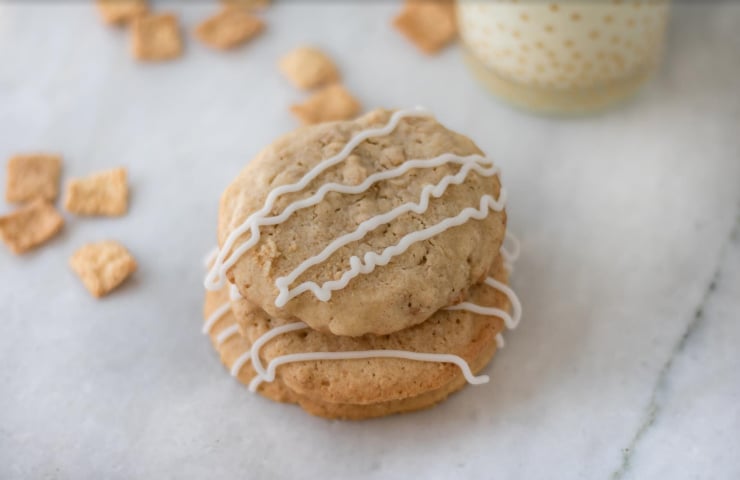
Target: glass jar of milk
[[563, 57]]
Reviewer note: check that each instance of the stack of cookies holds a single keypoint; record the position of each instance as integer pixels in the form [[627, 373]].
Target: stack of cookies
[[361, 268]]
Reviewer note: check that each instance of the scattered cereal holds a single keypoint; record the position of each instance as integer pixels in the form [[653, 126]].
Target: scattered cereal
[[33, 176], [121, 12], [430, 25], [104, 193], [156, 37], [247, 4], [102, 266], [308, 67], [328, 104], [229, 28], [30, 226]]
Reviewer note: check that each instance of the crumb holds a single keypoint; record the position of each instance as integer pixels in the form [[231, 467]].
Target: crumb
[[308, 68], [328, 104], [104, 193], [33, 176], [121, 12], [102, 266], [30, 226], [156, 37], [430, 25], [229, 28]]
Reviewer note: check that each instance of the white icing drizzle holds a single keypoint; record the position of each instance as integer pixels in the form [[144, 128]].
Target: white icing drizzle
[[511, 321], [222, 310], [360, 354], [510, 255], [225, 260], [500, 341], [226, 334], [372, 259], [210, 257], [215, 316]]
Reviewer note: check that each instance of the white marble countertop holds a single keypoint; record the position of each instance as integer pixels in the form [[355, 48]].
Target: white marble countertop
[[625, 365]]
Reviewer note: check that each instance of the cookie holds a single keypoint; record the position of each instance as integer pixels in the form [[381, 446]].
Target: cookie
[[156, 37], [229, 28], [30, 226], [102, 266], [121, 12], [307, 68], [103, 193], [398, 218], [367, 387], [329, 104], [33, 176], [430, 25]]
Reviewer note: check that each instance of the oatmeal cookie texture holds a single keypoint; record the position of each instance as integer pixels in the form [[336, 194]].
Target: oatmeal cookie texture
[[429, 275]]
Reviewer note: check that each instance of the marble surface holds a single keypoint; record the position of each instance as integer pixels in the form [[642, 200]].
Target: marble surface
[[625, 365]]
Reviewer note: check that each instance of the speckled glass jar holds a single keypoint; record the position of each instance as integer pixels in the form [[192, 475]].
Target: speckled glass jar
[[563, 57]]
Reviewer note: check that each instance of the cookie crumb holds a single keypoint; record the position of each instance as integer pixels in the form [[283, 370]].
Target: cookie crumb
[[328, 104], [156, 37], [430, 25], [308, 67], [250, 5], [30, 226], [33, 176], [104, 193], [229, 28], [102, 266], [121, 12]]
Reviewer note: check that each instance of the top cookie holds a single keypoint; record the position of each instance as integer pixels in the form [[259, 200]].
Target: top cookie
[[371, 236]]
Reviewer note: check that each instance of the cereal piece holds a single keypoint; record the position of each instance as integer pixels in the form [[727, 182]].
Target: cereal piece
[[328, 104], [430, 25], [156, 37], [33, 176], [104, 193], [308, 68], [229, 28], [30, 226], [121, 12], [102, 266], [247, 4]]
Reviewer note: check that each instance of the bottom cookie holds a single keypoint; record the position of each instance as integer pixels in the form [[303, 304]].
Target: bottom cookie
[[367, 387]]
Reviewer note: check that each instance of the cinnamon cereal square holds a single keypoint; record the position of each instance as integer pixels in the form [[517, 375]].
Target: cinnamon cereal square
[[156, 37], [102, 266], [308, 68], [104, 193], [121, 12], [229, 28], [30, 226], [328, 104], [430, 25], [250, 5], [33, 176]]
